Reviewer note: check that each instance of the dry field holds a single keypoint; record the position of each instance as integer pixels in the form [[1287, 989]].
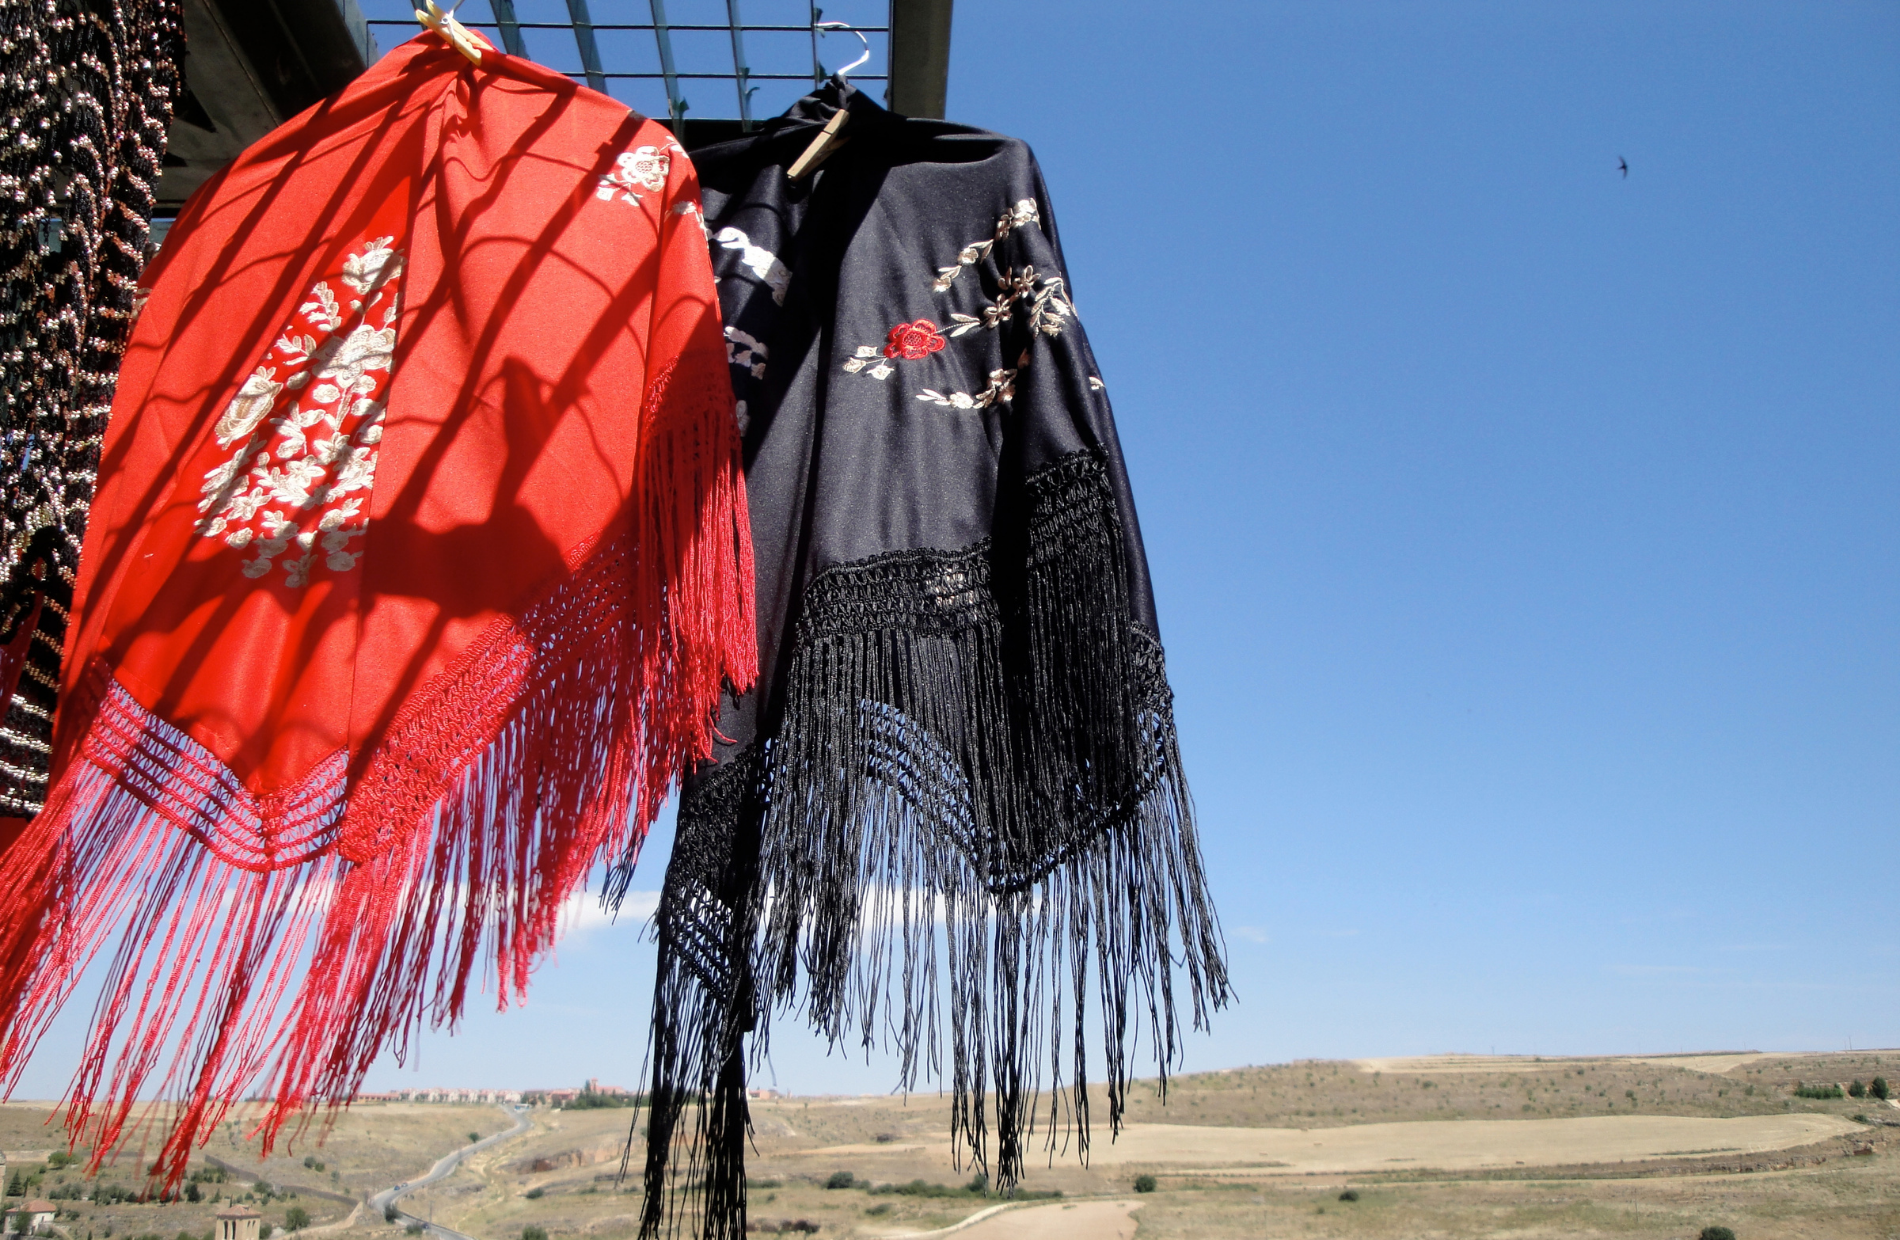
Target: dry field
[[1447, 1146]]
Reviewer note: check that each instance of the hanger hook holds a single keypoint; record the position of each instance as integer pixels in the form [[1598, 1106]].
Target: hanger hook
[[847, 26]]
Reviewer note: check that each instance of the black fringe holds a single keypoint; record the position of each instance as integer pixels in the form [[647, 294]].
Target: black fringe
[[702, 1008], [974, 791]]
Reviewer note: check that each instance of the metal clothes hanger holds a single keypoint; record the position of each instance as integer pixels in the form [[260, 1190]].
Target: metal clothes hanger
[[828, 139], [459, 37]]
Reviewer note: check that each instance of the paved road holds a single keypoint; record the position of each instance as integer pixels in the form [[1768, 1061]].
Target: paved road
[[381, 1202]]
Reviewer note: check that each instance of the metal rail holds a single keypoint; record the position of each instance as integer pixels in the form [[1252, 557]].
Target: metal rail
[[598, 70]]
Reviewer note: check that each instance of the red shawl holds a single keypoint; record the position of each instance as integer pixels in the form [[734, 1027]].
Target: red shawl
[[418, 558]]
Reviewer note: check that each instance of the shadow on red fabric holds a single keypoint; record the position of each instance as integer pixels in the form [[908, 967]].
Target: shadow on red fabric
[[418, 560]]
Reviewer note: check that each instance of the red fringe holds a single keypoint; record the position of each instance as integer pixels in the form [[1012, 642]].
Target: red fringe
[[554, 741]]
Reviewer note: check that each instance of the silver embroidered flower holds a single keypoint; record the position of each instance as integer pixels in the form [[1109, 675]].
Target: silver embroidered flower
[[646, 167], [369, 270], [363, 350], [249, 407]]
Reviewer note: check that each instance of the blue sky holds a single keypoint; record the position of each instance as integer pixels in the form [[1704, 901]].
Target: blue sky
[[1525, 537]]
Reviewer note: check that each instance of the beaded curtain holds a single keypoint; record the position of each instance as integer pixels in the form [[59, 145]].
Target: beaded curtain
[[86, 95]]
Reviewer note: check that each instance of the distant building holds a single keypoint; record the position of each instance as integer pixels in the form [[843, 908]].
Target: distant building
[[238, 1223], [445, 1095], [34, 1217], [761, 1094]]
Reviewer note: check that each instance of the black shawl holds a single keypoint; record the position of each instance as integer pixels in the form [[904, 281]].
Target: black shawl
[[86, 91], [958, 785]]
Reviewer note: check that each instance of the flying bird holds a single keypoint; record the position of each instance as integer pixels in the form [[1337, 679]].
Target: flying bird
[[1624, 164]]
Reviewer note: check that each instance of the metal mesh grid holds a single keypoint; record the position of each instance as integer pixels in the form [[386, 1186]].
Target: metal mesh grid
[[724, 60]]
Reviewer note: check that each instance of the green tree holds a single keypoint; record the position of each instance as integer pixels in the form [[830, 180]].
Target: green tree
[[1716, 1233], [1144, 1184], [296, 1218], [1879, 1088], [533, 1233], [840, 1179]]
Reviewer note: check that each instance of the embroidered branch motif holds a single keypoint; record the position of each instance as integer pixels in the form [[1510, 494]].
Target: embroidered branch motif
[[691, 206], [761, 262], [1024, 212], [866, 355], [1002, 389], [912, 342], [1048, 306], [644, 167], [288, 490], [1041, 301], [745, 352]]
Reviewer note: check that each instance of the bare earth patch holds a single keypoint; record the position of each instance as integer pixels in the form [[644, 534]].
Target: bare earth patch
[[1463, 1145]]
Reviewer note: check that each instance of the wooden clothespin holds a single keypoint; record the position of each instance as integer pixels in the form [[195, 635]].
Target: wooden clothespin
[[459, 37], [821, 147]]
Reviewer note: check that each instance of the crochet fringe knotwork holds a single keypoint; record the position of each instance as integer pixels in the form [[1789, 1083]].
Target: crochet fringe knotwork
[[274, 947], [974, 800]]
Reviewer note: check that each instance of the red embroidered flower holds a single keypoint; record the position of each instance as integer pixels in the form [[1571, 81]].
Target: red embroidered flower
[[913, 341]]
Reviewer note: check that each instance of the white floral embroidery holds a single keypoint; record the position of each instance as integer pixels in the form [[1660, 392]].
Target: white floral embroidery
[[761, 262], [1095, 384], [745, 352], [363, 272], [1024, 212], [1048, 305], [644, 167], [249, 406], [1002, 389], [322, 309], [691, 207], [281, 496], [873, 357]]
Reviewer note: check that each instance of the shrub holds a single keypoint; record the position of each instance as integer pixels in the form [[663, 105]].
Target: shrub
[[1816, 1091], [882, 1207], [979, 1184], [192, 1192], [61, 1159], [841, 1179], [391, 1214], [1878, 1088], [473, 1137], [532, 1232], [1856, 1090], [1144, 1184], [414, 1229], [1716, 1233], [296, 1218], [1351, 1194], [534, 1194]]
